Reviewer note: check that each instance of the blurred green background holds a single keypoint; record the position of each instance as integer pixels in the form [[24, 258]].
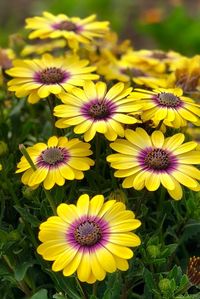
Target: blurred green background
[[172, 24]]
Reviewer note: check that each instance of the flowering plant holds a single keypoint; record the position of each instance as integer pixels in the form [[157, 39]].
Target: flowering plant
[[103, 200]]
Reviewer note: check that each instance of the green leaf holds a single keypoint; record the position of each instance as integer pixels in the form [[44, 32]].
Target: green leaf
[[27, 216], [20, 270], [41, 294]]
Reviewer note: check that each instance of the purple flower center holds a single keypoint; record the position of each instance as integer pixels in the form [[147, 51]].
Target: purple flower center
[[51, 75], [167, 99], [157, 159], [66, 25], [53, 156], [98, 110], [133, 72], [159, 55], [88, 233]]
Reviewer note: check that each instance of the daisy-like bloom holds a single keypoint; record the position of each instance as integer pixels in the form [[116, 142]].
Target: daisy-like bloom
[[148, 161], [167, 105], [154, 60], [193, 270], [96, 109], [58, 160], [38, 78], [43, 46], [90, 238], [74, 29]]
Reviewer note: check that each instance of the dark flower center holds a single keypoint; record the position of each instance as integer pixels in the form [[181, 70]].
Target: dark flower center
[[168, 100], [157, 159], [66, 25], [159, 55], [133, 72], [87, 233], [52, 155], [99, 111], [51, 75]]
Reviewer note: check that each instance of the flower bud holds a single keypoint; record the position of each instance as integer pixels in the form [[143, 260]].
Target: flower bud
[[153, 251], [164, 285], [3, 148]]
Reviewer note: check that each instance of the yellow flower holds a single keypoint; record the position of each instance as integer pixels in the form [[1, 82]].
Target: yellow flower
[[153, 60], [90, 238], [42, 47], [58, 160], [167, 105], [1, 167], [94, 109], [148, 161], [38, 78], [74, 29]]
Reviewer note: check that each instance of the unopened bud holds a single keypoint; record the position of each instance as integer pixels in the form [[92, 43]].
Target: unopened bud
[[153, 251], [3, 148], [164, 285]]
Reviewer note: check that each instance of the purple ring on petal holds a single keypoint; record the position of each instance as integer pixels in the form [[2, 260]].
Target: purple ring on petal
[[168, 100], [88, 233], [67, 26], [51, 75], [157, 160], [53, 157], [98, 110]]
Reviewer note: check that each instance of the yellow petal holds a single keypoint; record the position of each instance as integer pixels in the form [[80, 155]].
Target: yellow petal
[[83, 205], [157, 138], [73, 265], [84, 268], [53, 141], [64, 259], [96, 204], [120, 251], [106, 259], [38, 176], [67, 212]]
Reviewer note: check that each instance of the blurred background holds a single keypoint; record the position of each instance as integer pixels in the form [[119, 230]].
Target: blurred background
[[170, 24]]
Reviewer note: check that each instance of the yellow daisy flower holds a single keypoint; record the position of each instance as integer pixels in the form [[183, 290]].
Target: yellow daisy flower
[[167, 105], [154, 60], [90, 238], [38, 78], [96, 109], [74, 29], [58, 160], [148, 161], [43, 46]]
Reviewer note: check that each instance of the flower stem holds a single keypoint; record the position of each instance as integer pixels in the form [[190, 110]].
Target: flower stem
[[50, 101], [50, 200], [26, 155], [83, 295]]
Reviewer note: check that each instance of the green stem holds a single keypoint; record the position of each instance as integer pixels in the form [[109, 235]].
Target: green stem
[[51, 101], [97, 152], [26, 155], [159, 125], [161, 200], [84, 296], [94, 289], [21, 284], [50, 200]]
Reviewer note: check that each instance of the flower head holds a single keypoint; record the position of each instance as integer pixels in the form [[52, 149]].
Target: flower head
[[151, 161], [39, 78], [96, 109], [91, 238], [74, 29], [168, 105], [58, 160]]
